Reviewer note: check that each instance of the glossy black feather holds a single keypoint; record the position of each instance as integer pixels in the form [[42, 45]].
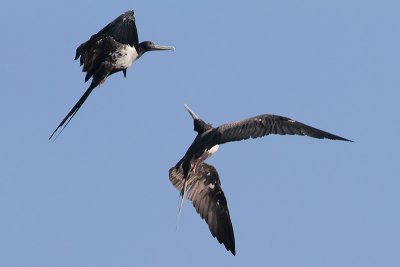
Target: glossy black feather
[[99, 60], [99, 56], [100, 66], [192, 169], [204, 190], [254, 127], [74, 110], [266, 124], [114, 48], [122, 29]]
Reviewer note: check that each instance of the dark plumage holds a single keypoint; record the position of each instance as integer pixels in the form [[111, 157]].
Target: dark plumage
[[209, 200], [114, 48], [191, 174]]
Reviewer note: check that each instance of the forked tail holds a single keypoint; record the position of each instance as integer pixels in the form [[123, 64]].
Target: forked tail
[[73, 111]]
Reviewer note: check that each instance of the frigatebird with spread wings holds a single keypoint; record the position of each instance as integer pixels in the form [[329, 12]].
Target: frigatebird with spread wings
[[112, 49], [201, 180]]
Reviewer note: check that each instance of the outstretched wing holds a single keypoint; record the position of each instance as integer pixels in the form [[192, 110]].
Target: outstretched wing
[[209, 200], [262, 125], [122, 29]]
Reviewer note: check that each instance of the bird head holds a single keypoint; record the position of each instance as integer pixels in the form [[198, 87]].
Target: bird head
[[150, 46], [199, 125]]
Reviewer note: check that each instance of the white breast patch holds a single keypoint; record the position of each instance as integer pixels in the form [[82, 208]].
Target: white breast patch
[[213, 149], [125, 57]]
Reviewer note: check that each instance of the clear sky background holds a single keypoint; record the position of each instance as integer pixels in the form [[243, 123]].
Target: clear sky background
[[100, 195]]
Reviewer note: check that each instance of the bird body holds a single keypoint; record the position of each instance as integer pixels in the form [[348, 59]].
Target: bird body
[[191, 174], [124, 57], [114, 48], [212, 150]]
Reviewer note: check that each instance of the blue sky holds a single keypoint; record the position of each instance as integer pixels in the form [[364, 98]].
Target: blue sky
[[100, 195]]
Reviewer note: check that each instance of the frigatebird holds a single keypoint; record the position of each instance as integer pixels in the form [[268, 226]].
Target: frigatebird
[[114, 48], [201, 180]]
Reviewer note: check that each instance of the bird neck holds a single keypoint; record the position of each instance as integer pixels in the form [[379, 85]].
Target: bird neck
[[141, 49], [200, 126]]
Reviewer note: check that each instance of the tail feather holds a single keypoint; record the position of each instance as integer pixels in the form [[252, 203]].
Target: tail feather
[[181, 198], [73, 111]]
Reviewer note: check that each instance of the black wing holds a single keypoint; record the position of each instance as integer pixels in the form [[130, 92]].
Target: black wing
[[122, 29], [262, 125], [204, 190], [97, 61]]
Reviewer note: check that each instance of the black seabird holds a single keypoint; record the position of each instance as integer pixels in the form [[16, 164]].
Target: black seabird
[[201, 180], [112, 49]]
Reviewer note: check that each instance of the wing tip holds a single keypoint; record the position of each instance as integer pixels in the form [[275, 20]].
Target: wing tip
[[336, 137], [229, 244], [130, 14]]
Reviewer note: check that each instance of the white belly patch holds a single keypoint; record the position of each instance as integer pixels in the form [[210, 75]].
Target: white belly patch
[[124, 57], [213, 149]]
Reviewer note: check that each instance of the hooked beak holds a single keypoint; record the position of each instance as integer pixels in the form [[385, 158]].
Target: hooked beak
[[194, 116], [161, 47]]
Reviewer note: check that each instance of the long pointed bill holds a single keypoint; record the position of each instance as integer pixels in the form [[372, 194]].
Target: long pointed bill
[[194, 116], [161, 47]]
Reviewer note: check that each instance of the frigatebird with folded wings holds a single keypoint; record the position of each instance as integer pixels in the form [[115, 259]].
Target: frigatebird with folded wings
[[201, 180], [114, 48]]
